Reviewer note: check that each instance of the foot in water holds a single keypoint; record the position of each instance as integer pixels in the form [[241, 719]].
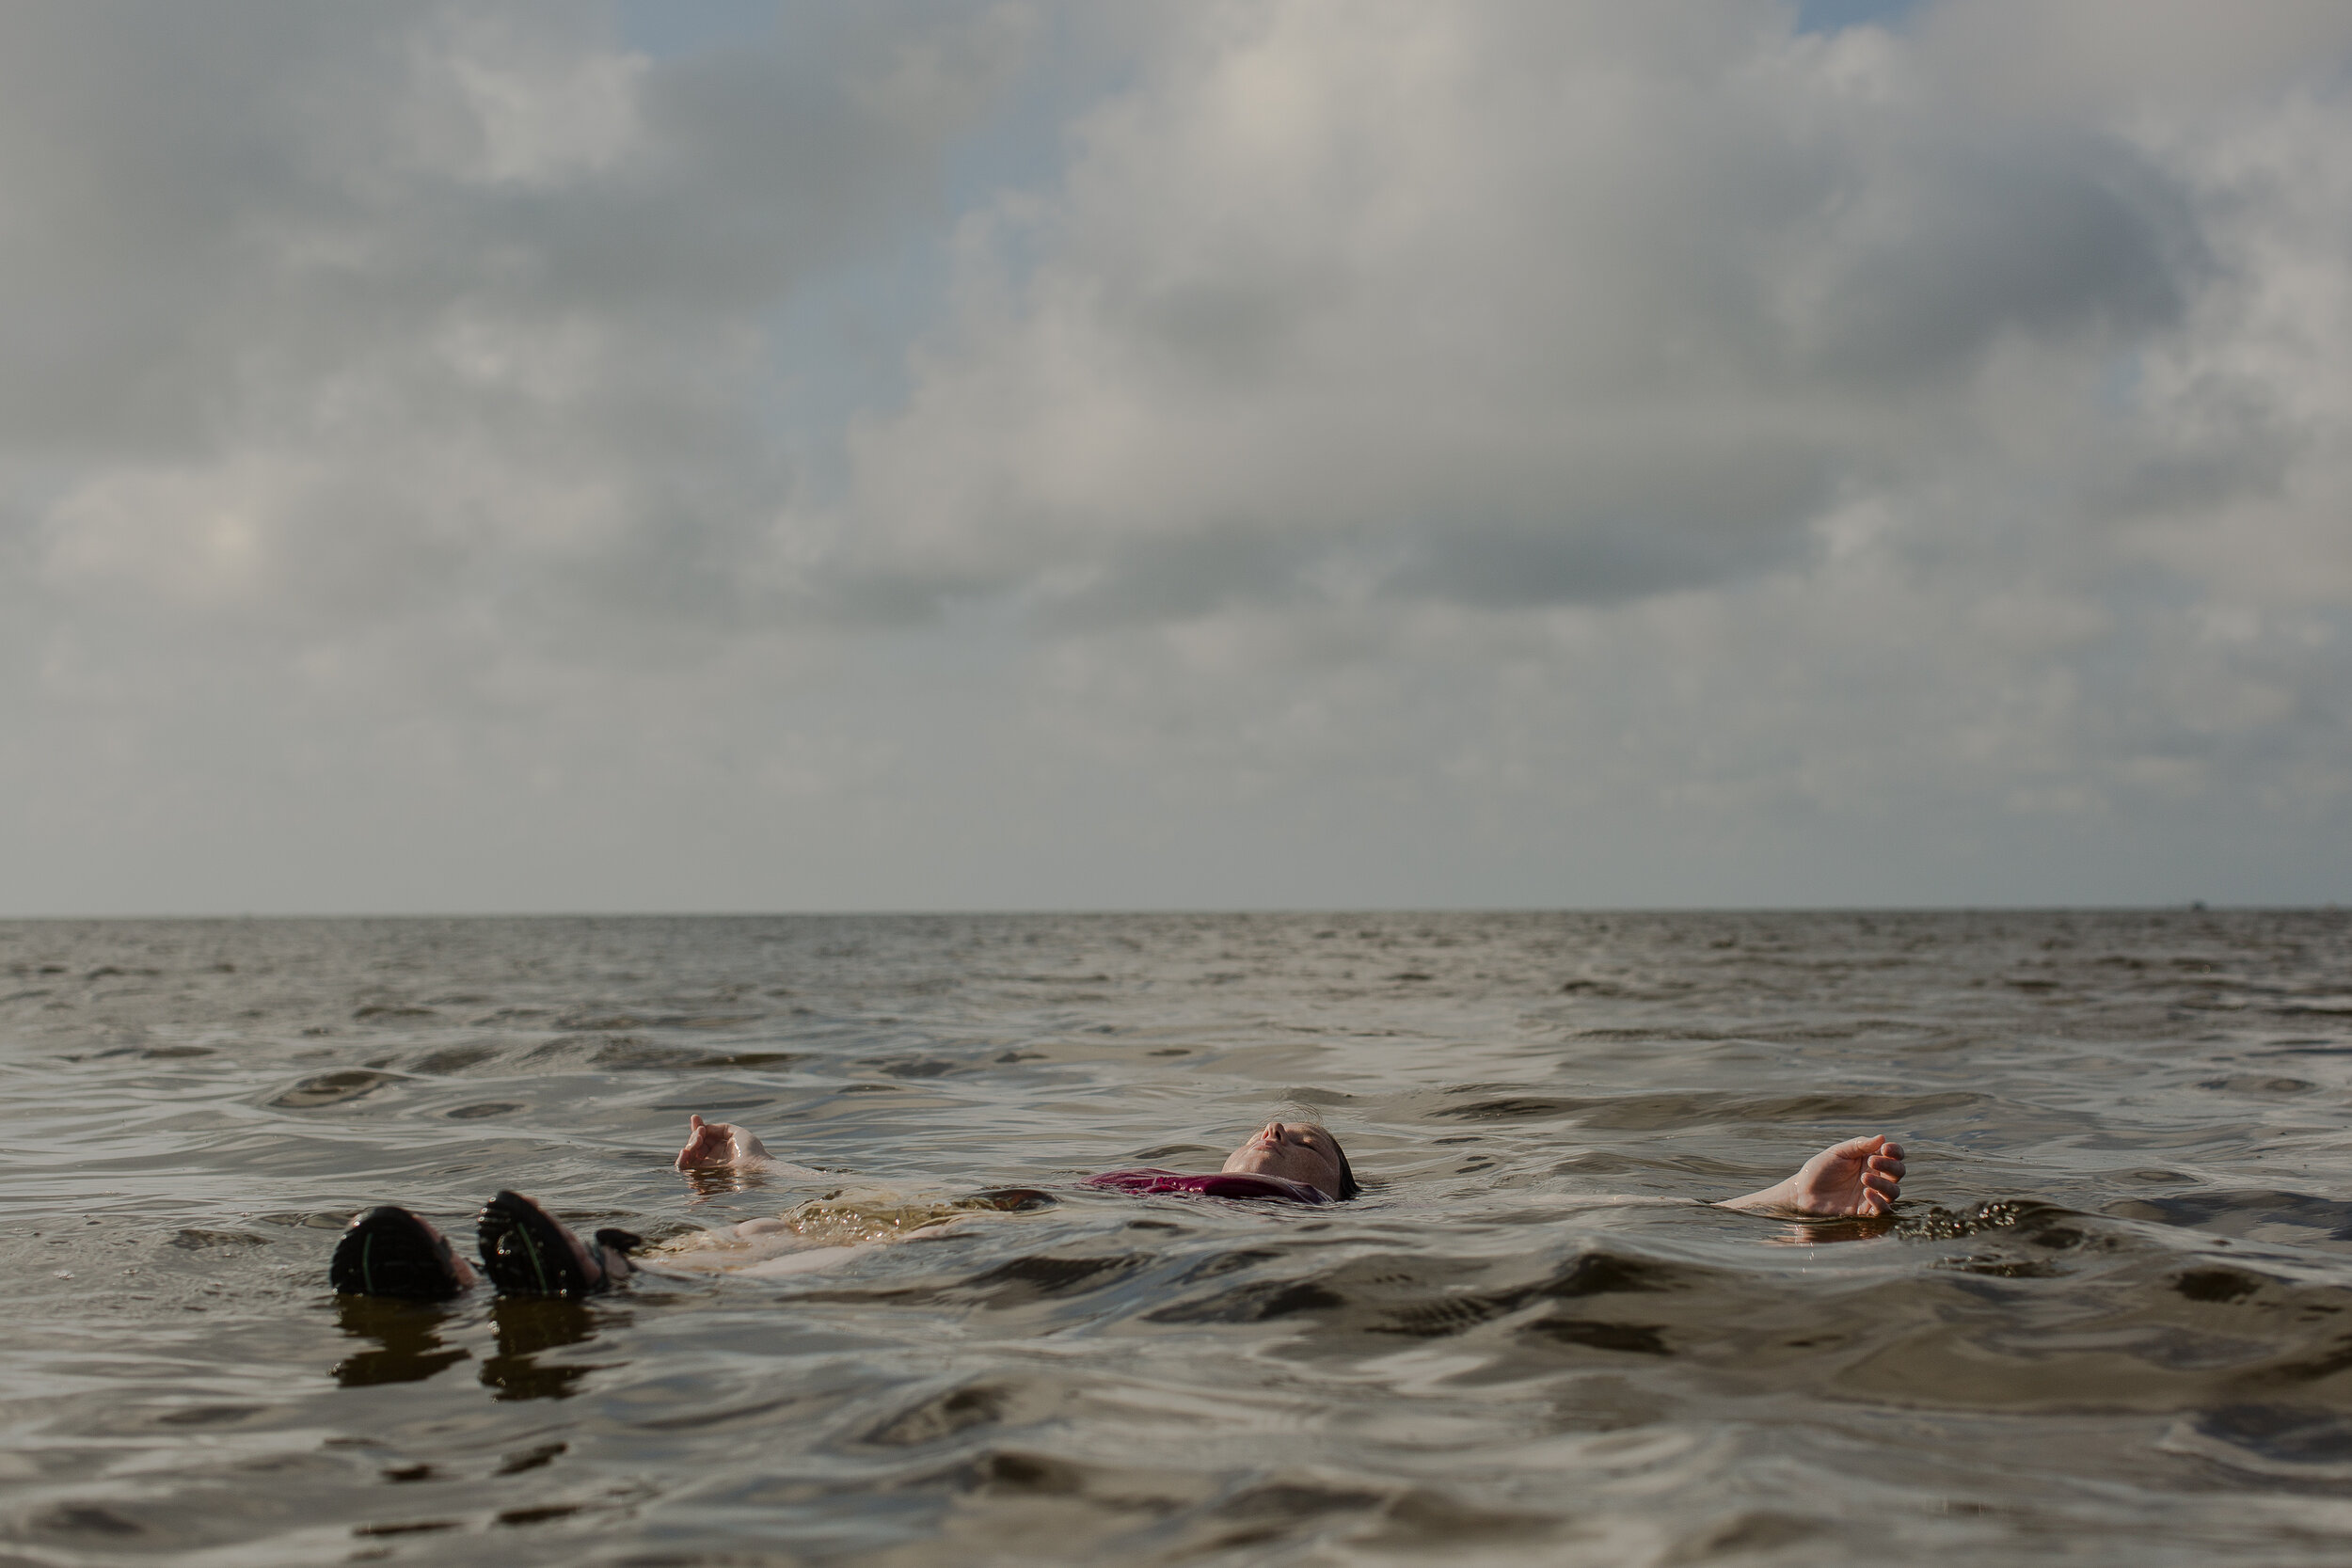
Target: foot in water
[[389, 1251], [527, 1252]]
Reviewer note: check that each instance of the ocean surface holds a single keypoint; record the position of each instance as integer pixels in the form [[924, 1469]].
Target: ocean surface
[[2111, 1324]]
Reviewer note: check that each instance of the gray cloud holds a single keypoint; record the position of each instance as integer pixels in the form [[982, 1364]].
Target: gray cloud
[[1519, 304], [1269, 453], [2056, 236], [342, 314]]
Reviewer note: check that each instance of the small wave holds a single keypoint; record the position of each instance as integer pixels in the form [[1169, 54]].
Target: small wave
[[332, 1088]]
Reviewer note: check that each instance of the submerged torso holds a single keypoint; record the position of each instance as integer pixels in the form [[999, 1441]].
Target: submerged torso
[[1219, 1185]]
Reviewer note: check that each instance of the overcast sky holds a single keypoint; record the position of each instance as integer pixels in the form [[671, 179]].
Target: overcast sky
[[747, 454]]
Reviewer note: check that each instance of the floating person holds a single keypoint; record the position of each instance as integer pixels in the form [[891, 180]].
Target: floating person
[[1297, 1162], [392, 1251], [1302, 1162]]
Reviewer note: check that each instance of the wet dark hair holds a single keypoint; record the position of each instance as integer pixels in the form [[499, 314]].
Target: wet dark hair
[[1350, 1186]]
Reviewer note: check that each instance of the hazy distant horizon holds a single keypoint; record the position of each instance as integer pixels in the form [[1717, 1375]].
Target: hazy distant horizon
[[753, 454], [1302, 911]]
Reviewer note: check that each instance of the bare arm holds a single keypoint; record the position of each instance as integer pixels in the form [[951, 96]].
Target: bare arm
[[1858, 1179]]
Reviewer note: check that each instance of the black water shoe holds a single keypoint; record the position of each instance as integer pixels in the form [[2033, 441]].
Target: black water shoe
[[389, 1251], [527, 1253]]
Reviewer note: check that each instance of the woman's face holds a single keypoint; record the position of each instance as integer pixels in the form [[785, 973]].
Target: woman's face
[[1299, 1151]]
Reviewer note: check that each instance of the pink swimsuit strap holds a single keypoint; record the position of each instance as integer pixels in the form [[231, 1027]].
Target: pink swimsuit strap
[[1145, 1182]]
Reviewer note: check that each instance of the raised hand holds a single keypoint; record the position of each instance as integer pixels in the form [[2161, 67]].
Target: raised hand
[[710, 1145], [1858, 1179]]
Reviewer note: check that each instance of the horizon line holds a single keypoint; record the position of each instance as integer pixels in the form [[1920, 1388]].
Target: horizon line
[[2196, 906]]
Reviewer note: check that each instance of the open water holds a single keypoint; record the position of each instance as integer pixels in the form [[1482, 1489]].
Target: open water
[[2110, 1323]]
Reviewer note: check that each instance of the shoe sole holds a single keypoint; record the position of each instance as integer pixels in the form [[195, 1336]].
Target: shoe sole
[[524, 1252], [387, 1251]]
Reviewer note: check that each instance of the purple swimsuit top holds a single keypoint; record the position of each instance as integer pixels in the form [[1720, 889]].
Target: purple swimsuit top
[[1143, 1183]]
